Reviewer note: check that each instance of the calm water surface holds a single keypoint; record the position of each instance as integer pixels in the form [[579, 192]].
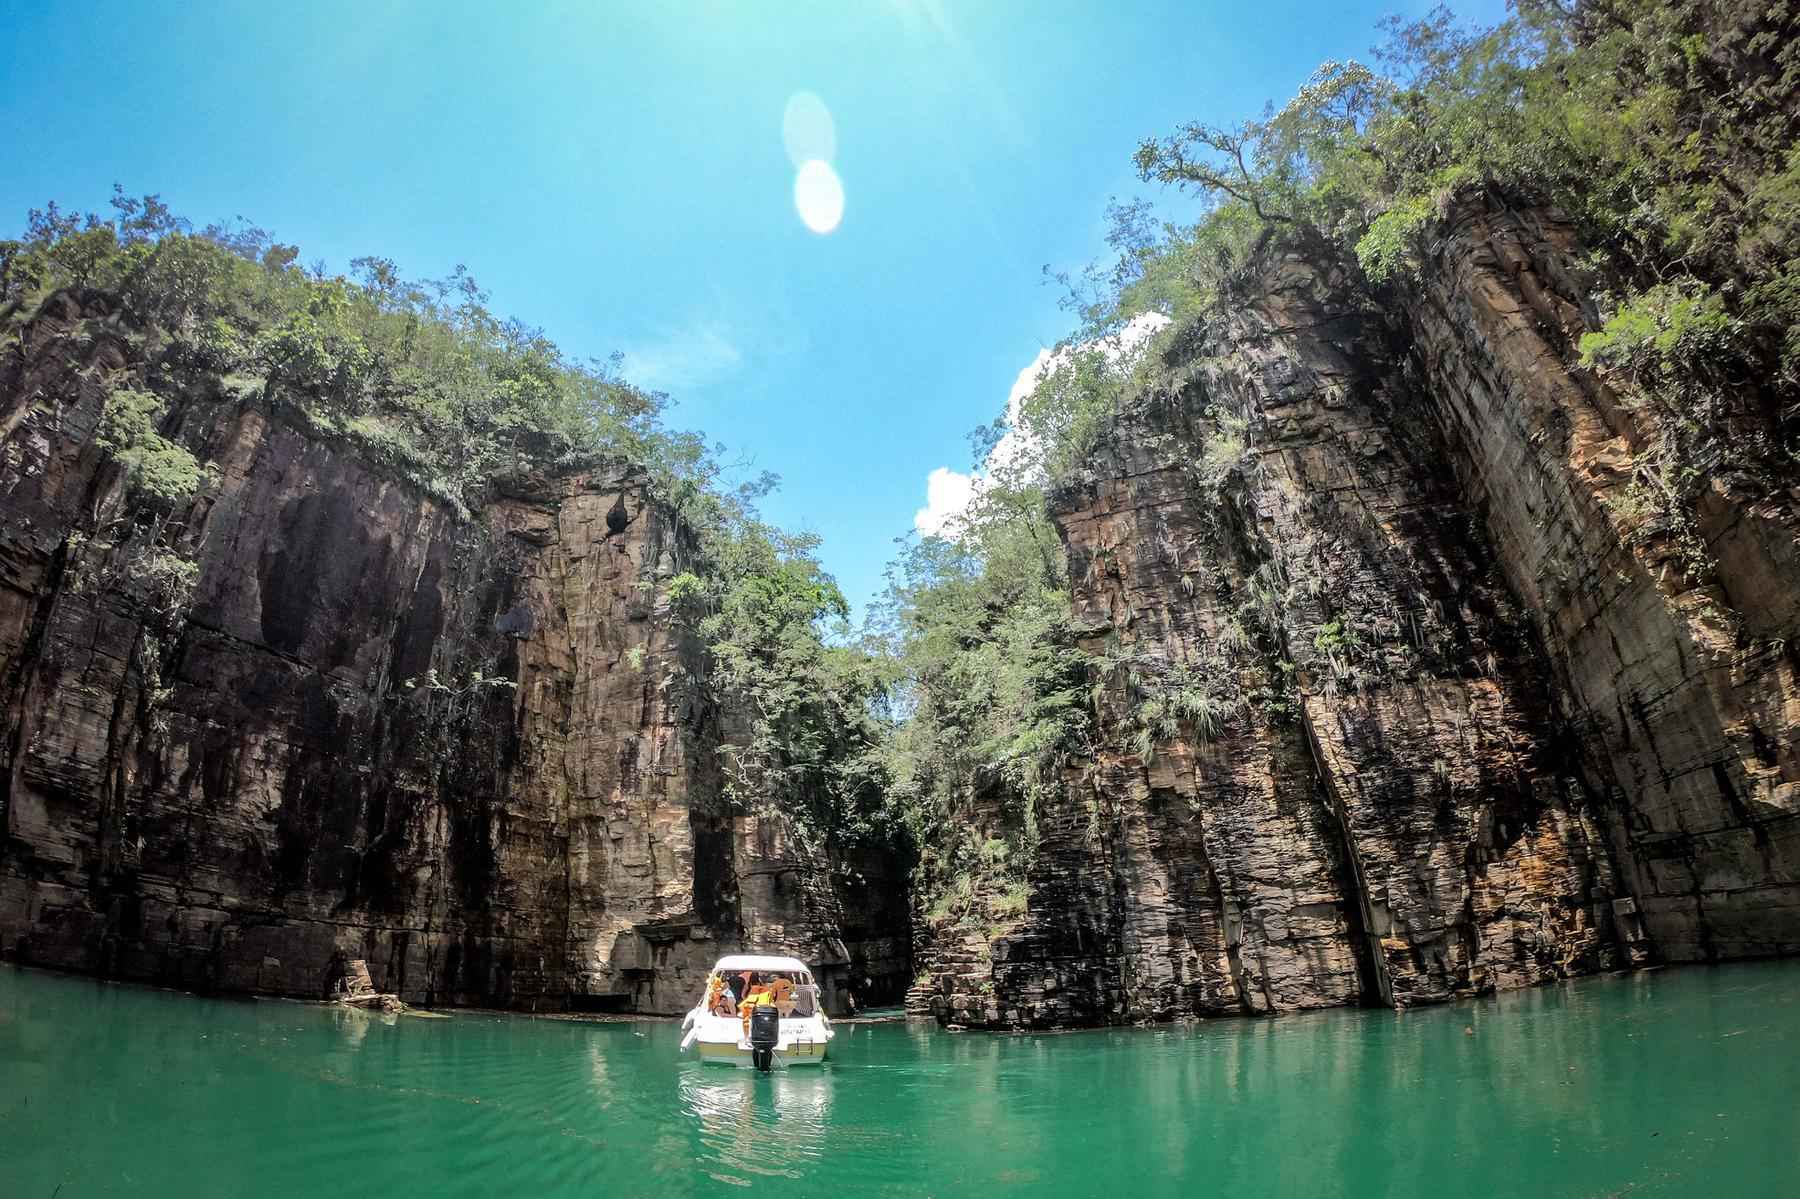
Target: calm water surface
[[1684, 1082]]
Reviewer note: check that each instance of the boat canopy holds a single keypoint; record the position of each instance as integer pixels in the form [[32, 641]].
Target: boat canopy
[[759, 961]]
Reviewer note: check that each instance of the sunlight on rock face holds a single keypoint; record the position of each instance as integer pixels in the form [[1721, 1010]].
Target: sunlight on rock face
[[819, 196], [807, 130]]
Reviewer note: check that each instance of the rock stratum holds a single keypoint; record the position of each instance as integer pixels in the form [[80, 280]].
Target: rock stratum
[[317, 715], [1496, 733]]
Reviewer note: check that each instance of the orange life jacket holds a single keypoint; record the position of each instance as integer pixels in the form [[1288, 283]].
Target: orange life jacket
[[757, 998]]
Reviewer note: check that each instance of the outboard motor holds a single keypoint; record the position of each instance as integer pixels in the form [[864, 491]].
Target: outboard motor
[[765, 1034]]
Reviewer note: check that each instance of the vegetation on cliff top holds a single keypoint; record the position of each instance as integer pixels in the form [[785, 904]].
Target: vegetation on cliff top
[[1665, 130], [423, 376]]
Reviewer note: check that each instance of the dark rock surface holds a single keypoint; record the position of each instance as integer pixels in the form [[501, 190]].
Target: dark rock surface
[[475, 753], [1493, 737]]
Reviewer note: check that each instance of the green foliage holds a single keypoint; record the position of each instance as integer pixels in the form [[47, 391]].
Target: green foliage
[[1665, 128], [473, 683], [803, 710], [420, 375], [1071, 405], [159, 468], [1667, 329], [1224, 452], [1333, 637], [1386, 249], [168, 580], [988, 692], [1012, 902], [1172, 701], [1677, 345], [953, 899], [1339, 644], [686, 588]]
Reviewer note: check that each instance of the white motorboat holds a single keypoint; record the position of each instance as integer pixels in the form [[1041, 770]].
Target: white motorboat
[[759, 1010]]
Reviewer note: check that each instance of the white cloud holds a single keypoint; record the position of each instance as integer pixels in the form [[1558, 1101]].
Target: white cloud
[[693, 356], [949, 492]]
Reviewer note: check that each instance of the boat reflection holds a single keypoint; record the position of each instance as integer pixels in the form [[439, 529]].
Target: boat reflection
[[758, 1125]]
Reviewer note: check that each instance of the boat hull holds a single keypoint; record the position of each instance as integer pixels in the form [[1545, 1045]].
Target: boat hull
[[723, 1039], [735, 1054]]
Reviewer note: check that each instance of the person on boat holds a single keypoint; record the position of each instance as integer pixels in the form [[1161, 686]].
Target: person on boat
[[756, 999], [781, 991], [724, 1002]]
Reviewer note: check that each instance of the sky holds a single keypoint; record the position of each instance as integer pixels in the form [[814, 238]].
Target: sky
[[618, 174]]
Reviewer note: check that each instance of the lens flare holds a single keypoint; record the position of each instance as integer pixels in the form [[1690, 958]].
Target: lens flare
[[819, 196], [807, 130]]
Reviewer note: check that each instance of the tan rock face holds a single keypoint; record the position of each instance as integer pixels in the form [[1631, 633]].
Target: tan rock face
[[477, 754], [1681, 691], [1492, 736]]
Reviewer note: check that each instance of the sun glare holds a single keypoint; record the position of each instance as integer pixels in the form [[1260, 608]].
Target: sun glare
[[807, 129], [819, 196]]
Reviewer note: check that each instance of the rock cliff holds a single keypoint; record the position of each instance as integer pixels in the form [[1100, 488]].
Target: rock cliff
[[316, 714], [1452, 717]]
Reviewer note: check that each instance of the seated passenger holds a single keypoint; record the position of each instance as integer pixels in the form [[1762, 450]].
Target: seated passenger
[[758, 997]]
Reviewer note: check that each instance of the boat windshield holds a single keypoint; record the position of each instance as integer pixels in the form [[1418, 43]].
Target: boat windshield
[[732, 993]]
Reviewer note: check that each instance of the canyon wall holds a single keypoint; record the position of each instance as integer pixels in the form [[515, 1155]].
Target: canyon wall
[[1680, 685], [1452, 719], [316, 713]]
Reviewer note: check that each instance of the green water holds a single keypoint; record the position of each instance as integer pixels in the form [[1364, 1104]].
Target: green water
[[1677, 1083]]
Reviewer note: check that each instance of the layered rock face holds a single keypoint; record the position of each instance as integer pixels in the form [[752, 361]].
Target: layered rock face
[[1440, 712], [1681, 687], [315, 715]]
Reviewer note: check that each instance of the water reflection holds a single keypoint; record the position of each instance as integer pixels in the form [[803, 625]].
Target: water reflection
[[765, 1125], [597, 1070], [352, 1026]]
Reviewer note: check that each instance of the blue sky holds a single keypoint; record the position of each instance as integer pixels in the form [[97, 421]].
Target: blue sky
[[617, 174]]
